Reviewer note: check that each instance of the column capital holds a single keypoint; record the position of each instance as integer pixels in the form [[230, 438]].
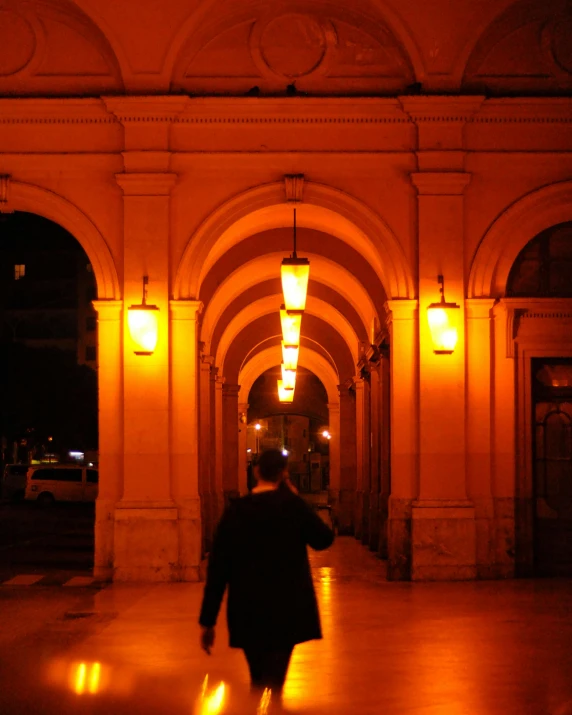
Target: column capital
[[207, 361], [479, 308], [108, 309], [440, 183], [333, 406], [401, 309], [146, 184], [185, 309], [230, 390]]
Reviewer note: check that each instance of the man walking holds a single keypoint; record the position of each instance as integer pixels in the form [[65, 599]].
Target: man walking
[[259, 552]]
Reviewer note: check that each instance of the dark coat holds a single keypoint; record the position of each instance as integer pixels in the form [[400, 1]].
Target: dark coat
[[259, 551]]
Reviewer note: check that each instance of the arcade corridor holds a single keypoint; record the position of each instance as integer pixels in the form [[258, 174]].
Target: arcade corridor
[[480, 648]]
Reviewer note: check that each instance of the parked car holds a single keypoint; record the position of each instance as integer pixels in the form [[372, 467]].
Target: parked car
[[14, 481], [48, 484]]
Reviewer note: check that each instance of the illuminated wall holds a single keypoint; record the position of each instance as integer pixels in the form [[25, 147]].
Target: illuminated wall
[[413, 141]]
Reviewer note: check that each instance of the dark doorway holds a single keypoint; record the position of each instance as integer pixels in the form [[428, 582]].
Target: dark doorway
[[552, 453]]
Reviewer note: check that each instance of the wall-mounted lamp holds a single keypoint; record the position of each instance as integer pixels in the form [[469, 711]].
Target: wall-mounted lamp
[[290, 356], [295, 273], [443, 320], [291, 326], [143, 321]]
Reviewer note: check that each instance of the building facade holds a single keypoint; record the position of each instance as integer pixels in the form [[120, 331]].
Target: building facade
[[173, 142]]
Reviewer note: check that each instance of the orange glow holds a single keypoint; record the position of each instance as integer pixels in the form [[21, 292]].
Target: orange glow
[[143, 323], [264, 704], [213, 702], [85, 678], [288, 378], [285, 395], [290, 354], [443, 321], [295, 273], [291, 326]]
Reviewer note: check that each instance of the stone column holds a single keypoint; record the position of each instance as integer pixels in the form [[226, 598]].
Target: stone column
[[363, 437], [514, 505], [109, 329], [479, 478], [185, 434], [375, 457], [219, 449], [402, 324], [443, 537], [242, 456], [206, 450], [346, 509], [230, 441], [335, 444], [385, 452], [146, 529]]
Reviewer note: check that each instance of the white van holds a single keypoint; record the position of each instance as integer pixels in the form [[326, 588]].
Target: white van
[[48, 484]]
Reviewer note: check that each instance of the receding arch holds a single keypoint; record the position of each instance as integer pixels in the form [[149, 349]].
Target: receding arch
[[272, 357], [322, 270], [40, 201], [324, 208], [270, 304], [266, 267], [511, 231]]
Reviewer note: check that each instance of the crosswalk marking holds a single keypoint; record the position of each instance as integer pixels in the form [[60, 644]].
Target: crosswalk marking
[[24, 580], [79, 581]]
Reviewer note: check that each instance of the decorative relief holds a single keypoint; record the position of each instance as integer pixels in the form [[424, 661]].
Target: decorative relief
[[47, 47], [291, 45], [527, 50], [294, 187], [292, 49], [17, 42]]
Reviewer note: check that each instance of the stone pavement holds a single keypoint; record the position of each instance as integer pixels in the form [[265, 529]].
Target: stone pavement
[[478, 648]]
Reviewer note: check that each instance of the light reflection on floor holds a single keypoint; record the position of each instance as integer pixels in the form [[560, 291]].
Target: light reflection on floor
[[489, 648]]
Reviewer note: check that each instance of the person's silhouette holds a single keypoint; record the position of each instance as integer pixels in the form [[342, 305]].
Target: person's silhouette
[[259, 552]]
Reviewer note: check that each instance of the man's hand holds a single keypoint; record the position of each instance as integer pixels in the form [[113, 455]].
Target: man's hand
[[207, 638]]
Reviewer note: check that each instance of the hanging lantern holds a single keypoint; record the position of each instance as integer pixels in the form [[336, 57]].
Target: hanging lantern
[[285, 395], [291, 326], [295, 273], [288, 378], [443, 320], [143, 321], [290, 356]]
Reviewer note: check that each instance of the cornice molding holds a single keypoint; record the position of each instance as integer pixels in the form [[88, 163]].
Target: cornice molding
[[440, 183], [154, 184], [279, 110], [108, 309]]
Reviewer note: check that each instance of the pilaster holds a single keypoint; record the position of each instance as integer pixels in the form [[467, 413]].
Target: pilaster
[[110, 416], [185, 433], [230, 459], [146, 519], [443, 520], [402, 326], [242, 457], [363, 431], [206, 450]]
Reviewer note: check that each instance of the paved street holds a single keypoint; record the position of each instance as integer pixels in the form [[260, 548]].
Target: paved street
[[484, 648], [54, 544]]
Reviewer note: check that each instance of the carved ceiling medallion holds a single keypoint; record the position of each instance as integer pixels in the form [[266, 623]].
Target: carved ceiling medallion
[[291, 45]]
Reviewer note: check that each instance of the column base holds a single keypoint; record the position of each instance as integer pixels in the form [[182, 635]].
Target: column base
[[399, 540], [157, 541], [443, 541], [345, 512], [104, 538], [496, 534]]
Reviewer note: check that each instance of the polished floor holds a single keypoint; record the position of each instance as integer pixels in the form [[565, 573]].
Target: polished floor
[[484, 648]]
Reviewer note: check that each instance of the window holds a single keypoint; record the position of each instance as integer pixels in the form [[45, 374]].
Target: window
[[19, 271], [90, 323], [90, 353], [58, 475], [92, 476]]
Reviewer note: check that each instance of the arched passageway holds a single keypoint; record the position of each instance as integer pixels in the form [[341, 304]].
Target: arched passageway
[[232, 266]]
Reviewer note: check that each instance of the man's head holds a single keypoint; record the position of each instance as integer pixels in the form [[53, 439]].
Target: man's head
[[271, 465]]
